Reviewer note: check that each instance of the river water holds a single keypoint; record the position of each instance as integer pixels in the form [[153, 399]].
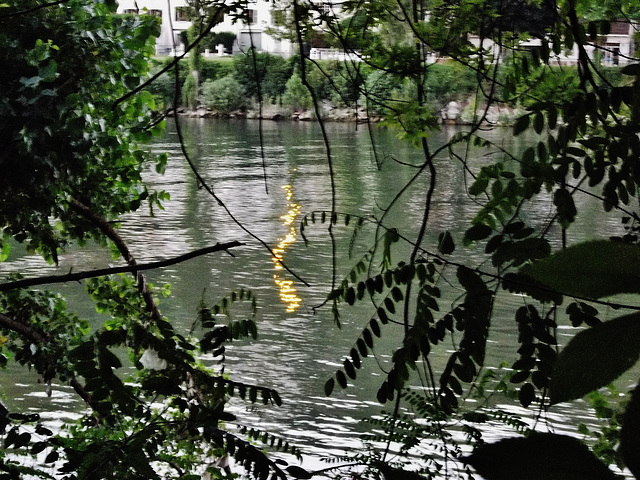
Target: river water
[[299, 347]]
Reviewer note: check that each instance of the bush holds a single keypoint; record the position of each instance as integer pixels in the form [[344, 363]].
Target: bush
[[269, 71], [278, 72], [162, 89], [296, 95], [445, 83], [380, 88], [612, 75], [189, 93], [214, 39], [347, 81], [558, 85], [213, 69], [224, 95]]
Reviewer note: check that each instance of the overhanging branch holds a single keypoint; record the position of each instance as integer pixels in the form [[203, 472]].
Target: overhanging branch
[[24, 330], [74, 277]]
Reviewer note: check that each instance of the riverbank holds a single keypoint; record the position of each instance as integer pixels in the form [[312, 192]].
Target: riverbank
[[230, 90], [453, 113]]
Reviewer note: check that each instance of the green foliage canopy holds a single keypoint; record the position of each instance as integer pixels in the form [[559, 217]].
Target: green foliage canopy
[[64, 135], [73, 120]]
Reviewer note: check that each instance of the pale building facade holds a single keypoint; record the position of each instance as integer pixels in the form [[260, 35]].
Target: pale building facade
[[256, 30], [616, 48]]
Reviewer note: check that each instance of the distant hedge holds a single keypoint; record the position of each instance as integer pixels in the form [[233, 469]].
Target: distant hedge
[[339, 83]]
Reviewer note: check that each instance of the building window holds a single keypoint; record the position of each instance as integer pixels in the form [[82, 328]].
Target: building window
[[155, 13], [252, 17], [130, 11], [612, 54], [182, 14]]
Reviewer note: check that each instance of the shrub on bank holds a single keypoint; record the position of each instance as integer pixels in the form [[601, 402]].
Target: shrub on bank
[[224, 95], [213, 69], [232, 84], [188, 92], [296, 95], [446, 82], [262, 72], [379, 90], [163, 88]]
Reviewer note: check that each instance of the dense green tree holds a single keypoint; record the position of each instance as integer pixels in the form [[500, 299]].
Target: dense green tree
[[220, 38], [59, 121], [73, 120], [580, 140]]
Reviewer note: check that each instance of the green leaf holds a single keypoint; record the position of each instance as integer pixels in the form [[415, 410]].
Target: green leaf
[[446, 245], [350, 296], [526, 395], [538, 122], [328, 387], [362, 347], [355, 358], [537, 457], [48, 72], [5, 249], [593, 269], [552, 117], [478, 232], [630, 434], [595, 357], [298, 472], [39, 447], [479, 185], [567, 211], [51, 457], [521, 125], [375, 328], [349, 369], [368, 338], [632, 69]]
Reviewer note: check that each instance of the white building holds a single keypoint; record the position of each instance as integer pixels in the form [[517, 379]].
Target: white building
[[617, 47], [253, 31]]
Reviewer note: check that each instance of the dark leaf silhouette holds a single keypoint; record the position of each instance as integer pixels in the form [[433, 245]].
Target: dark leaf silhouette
[[540, 456], [595, 357]]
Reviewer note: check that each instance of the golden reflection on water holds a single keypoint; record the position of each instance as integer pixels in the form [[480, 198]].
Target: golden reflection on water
[[288, 292]]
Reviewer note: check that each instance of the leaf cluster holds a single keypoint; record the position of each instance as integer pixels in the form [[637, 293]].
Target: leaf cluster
[[62, 70]]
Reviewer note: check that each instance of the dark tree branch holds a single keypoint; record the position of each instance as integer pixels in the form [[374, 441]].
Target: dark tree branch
[[74, 277], [80, 390], [105, 227], [24, 330], [33, 9], [32, 335]]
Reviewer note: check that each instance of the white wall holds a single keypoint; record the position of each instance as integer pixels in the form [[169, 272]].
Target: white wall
[[256, 30]]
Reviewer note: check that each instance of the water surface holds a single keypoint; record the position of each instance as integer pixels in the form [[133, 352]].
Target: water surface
[[299, 346]]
